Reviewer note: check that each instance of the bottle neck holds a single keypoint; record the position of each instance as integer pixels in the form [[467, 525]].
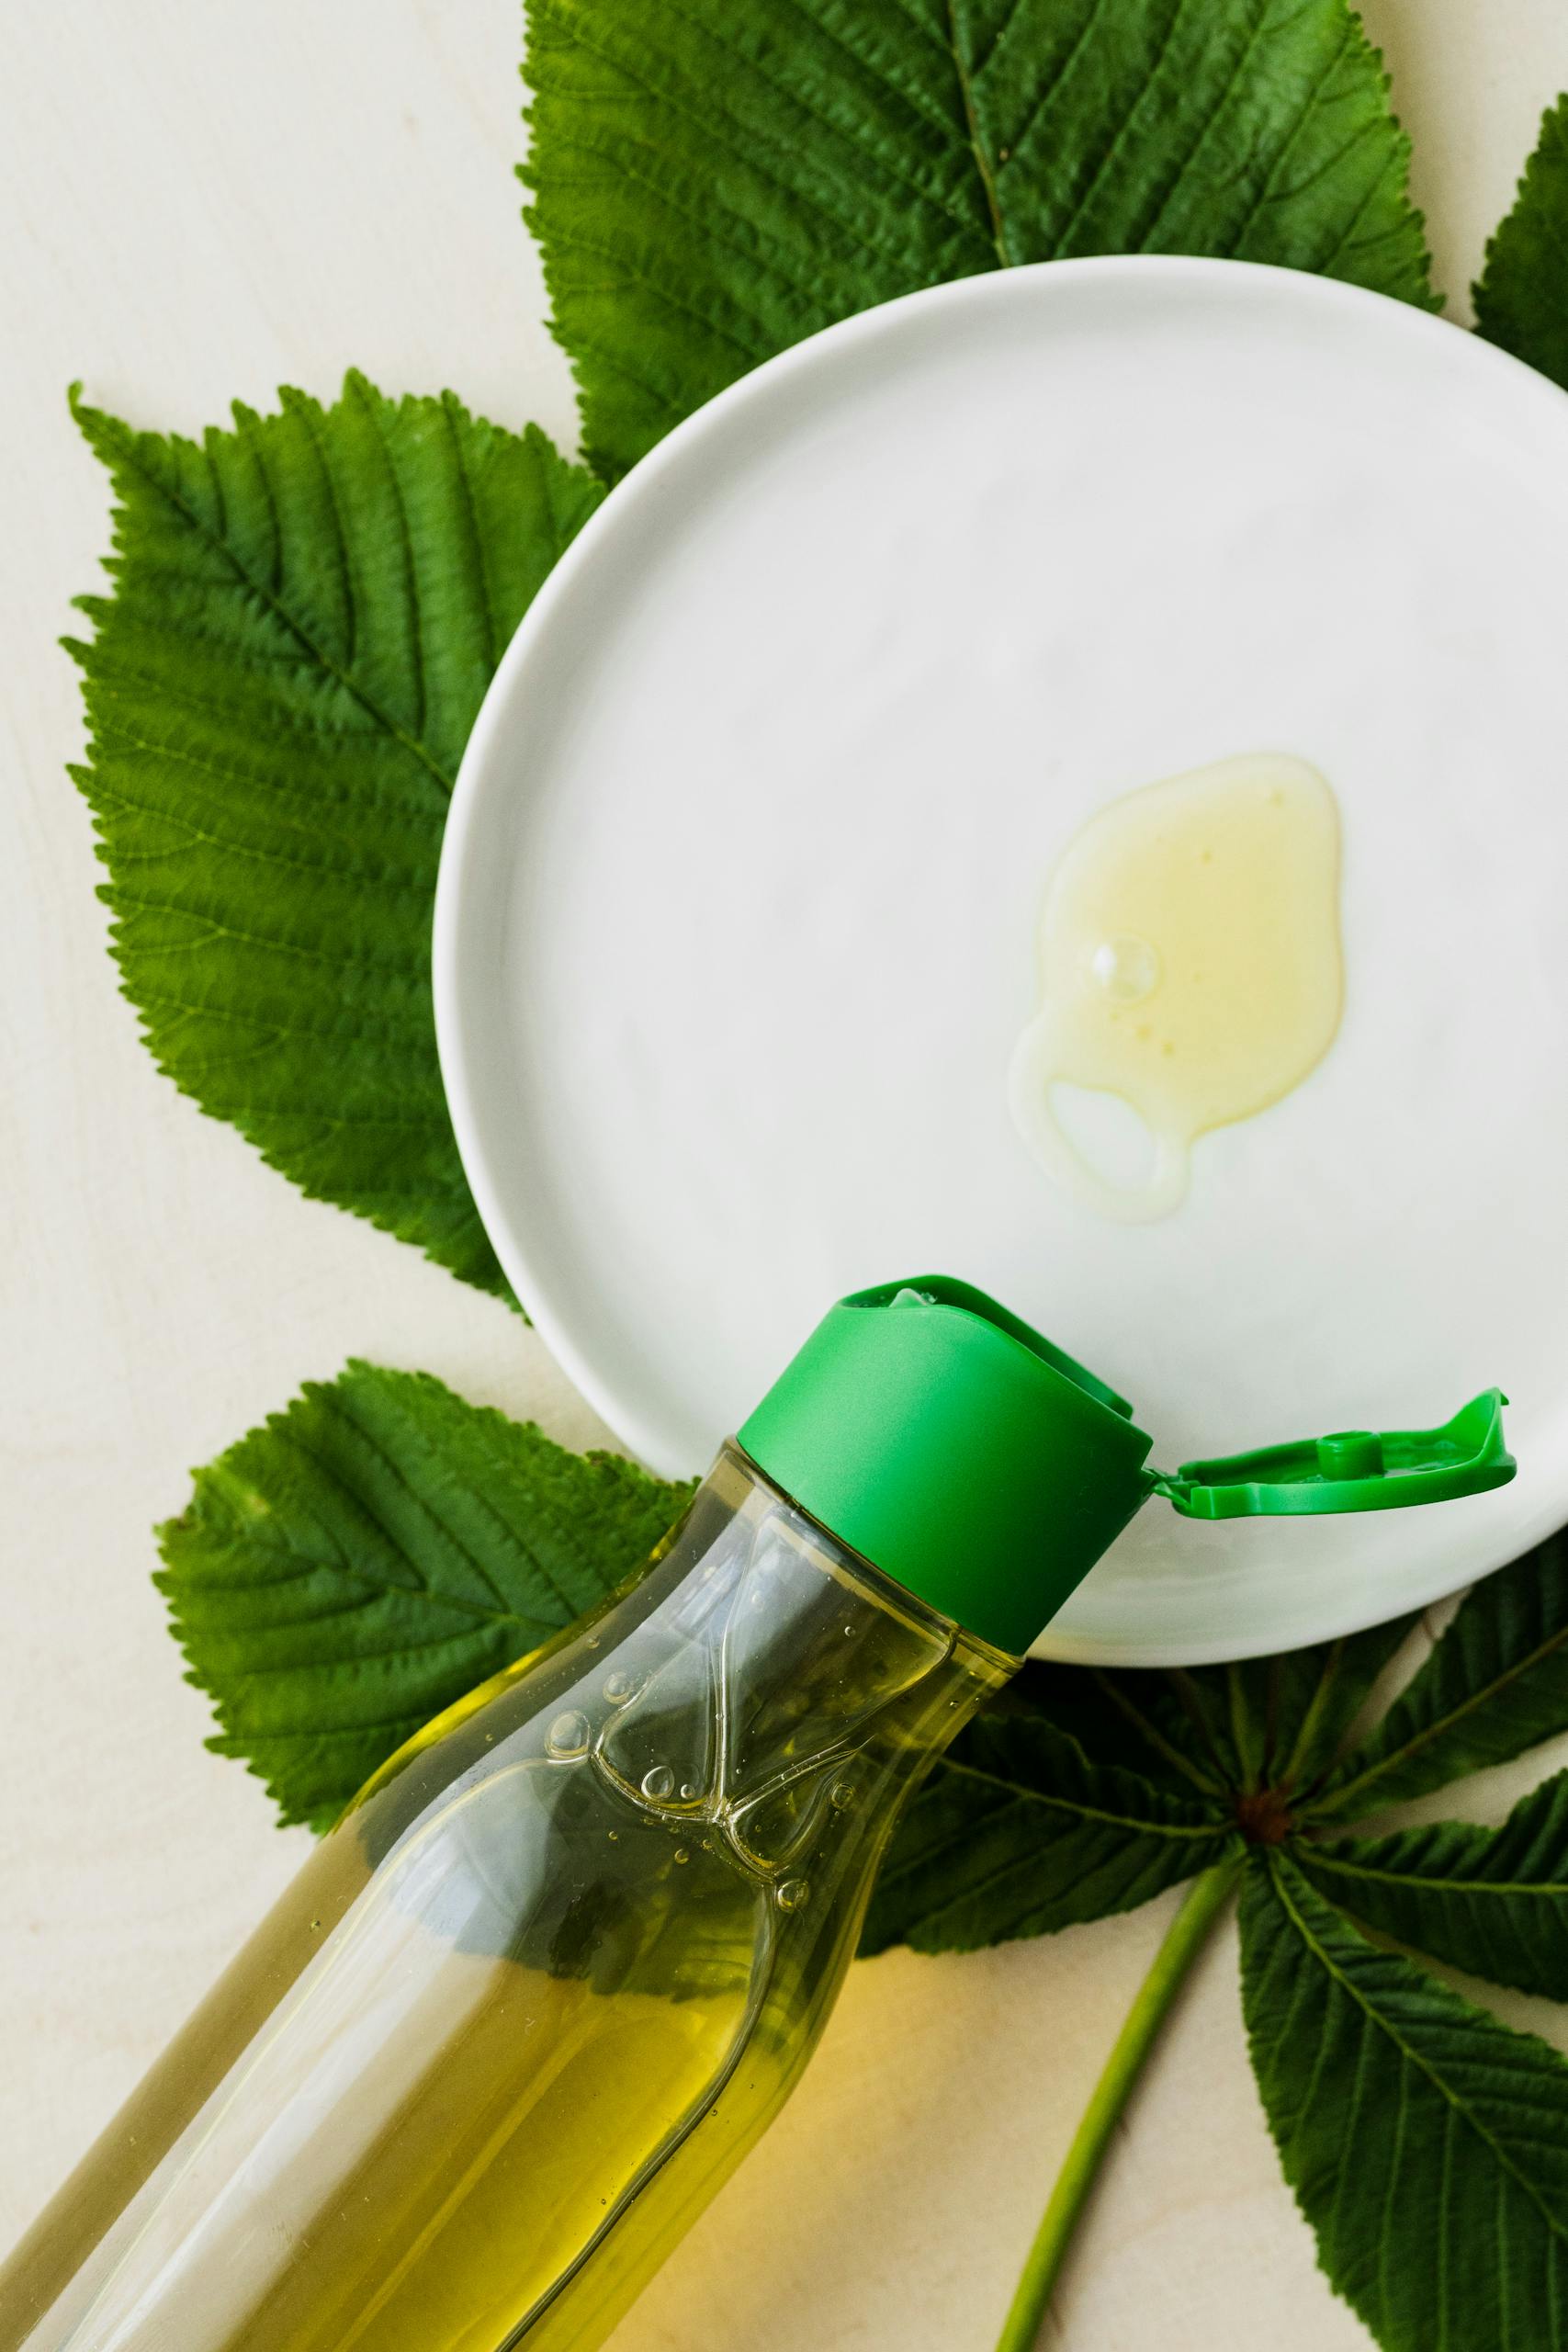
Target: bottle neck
[[780, 1662], [726, 1686]]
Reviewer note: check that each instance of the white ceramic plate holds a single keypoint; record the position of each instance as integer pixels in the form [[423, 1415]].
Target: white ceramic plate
[[737, 918]]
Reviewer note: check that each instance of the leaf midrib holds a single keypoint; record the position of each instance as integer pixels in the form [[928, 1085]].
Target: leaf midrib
[[1016, 1789], [1323, 1858], [1147, 1730], [247, 1539], [335, 1407], [129, 457], [982, 161], [1558, 2228], [503, 1614], [579, 33], [1334, 1799]]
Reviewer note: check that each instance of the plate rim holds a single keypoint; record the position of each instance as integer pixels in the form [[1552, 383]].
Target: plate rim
[[482, 776]]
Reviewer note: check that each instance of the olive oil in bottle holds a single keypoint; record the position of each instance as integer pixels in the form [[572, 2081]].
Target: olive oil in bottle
[[541, 1987], [565, 1956]]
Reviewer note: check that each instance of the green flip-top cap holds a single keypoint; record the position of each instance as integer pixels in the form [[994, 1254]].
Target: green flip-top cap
[[980, 1467], [956, 1449]]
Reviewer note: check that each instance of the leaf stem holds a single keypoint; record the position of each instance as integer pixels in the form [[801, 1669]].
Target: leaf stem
[[1189, 1931]]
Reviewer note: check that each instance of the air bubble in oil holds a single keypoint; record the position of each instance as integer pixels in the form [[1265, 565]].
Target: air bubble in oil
[[567, 1736]]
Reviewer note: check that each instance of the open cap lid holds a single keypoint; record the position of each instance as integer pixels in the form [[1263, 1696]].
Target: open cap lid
[[985, 1470], [956, 1449], [1350, 1470]]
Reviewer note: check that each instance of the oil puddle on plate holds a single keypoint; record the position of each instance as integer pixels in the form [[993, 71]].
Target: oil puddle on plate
[[1190, 975], [862, 729]]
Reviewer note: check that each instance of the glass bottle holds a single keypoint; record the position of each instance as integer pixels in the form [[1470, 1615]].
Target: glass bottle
[[567, 1953], [541, 1987]]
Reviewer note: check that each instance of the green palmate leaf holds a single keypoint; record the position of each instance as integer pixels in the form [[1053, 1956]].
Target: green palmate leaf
[[1131, 1718], [1427, 2143], [1492, 1901], [1267, 1724], [306, 613], [715, 180], [1315, 1697], [1017, 1833], [343, 1573], [1279, 1722], [1495, 1684], [1522, 301]]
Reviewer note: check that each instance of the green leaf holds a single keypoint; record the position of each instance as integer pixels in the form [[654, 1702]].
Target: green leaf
[[306, 613], [1273, 1723], [1495, 1684], [1279, 1722], [1493, 1902], [715, 180], [1016, 1833], [1315, 1695], [1427, 2143], [372, 1554], [1521, 297], [1133, 1717]]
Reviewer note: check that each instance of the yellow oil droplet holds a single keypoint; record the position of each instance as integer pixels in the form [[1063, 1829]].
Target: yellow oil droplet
[[1209, 905]]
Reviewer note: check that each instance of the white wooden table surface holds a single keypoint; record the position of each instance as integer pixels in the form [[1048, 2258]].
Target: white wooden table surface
[[201, 202]]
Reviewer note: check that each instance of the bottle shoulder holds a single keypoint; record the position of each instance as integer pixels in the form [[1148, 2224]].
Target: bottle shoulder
[[759, 1700]]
